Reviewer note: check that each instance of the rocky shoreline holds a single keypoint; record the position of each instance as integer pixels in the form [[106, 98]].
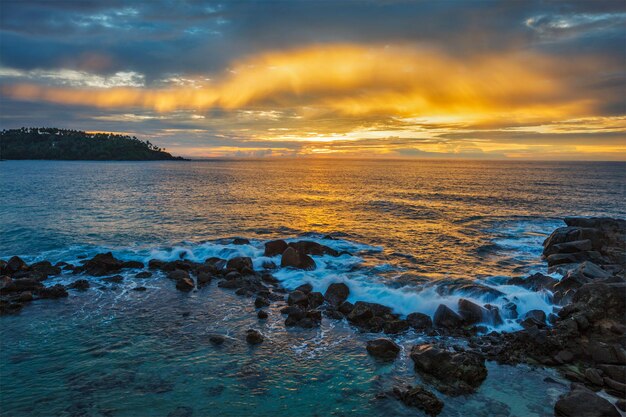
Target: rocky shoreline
[[584, 338]]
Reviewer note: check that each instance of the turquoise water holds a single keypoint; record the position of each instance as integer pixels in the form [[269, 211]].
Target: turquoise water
[[412, 228]]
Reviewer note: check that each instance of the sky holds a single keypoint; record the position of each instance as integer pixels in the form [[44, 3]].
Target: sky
[[304, 78]]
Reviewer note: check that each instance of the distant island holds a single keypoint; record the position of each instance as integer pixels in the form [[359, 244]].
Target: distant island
[[74, 145]]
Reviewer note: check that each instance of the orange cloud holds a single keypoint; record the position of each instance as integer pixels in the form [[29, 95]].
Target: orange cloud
[[356, 80]]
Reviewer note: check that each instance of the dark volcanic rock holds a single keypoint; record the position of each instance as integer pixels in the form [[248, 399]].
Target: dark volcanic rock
[[308, 247], [102, 264], [445, 317], [115, 279], [184, 284], [132, 265], [582, 402], [144, 274], [56, 291], [305, 288], [241, 241], [419, 397], [363, 311], [260, 302], [20, 284], [254, 337], [383, 348], [419, 321], [14, 265], [395, 326], [292, 258], [472, 313], [275, 247], [217, 339], [337, 293], [316, 299], [299, 298], [262, 314], [534, 282], [454, 373]]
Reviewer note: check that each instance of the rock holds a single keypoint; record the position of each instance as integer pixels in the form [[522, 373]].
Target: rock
[[509, 310], [254, 337], [305, 288], [336, 293], [25, 297], [292, 258], [395, 326], [241, 241], [419, 321], [185, 284], [363, 311], [454, 373], [56, 291], [536, 315], [421, 398], [20, 284], [178, 274], [594, 376], [203, 279], [582, 402], [144, 274], [469, 289], [102, 264], [316, 299], [155, 264], [472, 313], [615, 372], [275, 247], [115, 279], [139, 289], [604, 353], [240, 263], [132, 265], [14, 265], [217, 339], [260, 302], [446, 318], [346, 307], [5, 282], [308, 247], [81, 285], [299, 298], [269, 278], [535, 282], [383, 348], [262, 314], [46, 268]]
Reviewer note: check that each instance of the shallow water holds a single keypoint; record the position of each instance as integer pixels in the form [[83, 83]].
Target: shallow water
[[411, 228]]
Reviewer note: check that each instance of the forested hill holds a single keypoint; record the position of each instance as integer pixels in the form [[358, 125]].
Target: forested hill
[[64, 144]]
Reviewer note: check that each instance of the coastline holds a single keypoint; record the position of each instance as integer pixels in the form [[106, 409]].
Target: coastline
[[306, 308]]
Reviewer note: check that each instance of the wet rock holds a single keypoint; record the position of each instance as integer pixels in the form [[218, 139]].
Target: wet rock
[[182, 411], [509, 310], [299, 298], [178, 274], [305, 288], [155, 264], [383, 348], [536, 315], [535, 282], [5, 281], [81, 285], [594, 376], [46, 268], [115, 279], [25, 297], [55, 291], [469, 288], [308, 247], [445, 317], [241, 241], [185, 284], [217, 339], [419, 321], [395, 326], [336, 293], [292, 258], [262, 314], [346, 307], [139, 289], [419, 397], [454, 373], [471, 313], [615, 372], [269, 278], [582, 402], [364, 311], [102, 264], [316, 299], [275, 247], [203, 279], [240, 263], [20, 284], [254, 337], [14, 265], [132, 265], [260, 302]]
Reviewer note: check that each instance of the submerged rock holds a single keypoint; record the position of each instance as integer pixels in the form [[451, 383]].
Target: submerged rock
[[419, 397], [144, 274], [81, 285], [241, 241], [383, 348], [56, 291], [454, 373], [254, 337]]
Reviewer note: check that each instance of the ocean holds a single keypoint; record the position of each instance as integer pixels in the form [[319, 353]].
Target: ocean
[[416, 232]]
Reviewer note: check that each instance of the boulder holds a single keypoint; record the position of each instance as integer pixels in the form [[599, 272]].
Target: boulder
[[472, 313], [395, 326], [132, 265], [81, 285], [454, 373], [203, 278], [178, 274], [419, 321], [102, 264], [346, 307], [308, 247], [536, 315], [241, 241], [260, 302], [299, 298], [262, 314], [535, 282], [305, 288], [115, 279], [240, 263], [20, 284], [446, 318], [419, 397], [275, 247], [254, 337], [144, 274], [582, 402], [14, 265], [217, 339], [292, 258], [383, 348], [316, 299], [45, 268], [185, 284], [363, 311], [336, 293]]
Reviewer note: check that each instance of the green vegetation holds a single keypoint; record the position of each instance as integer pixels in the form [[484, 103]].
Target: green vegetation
[[65, 144]]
